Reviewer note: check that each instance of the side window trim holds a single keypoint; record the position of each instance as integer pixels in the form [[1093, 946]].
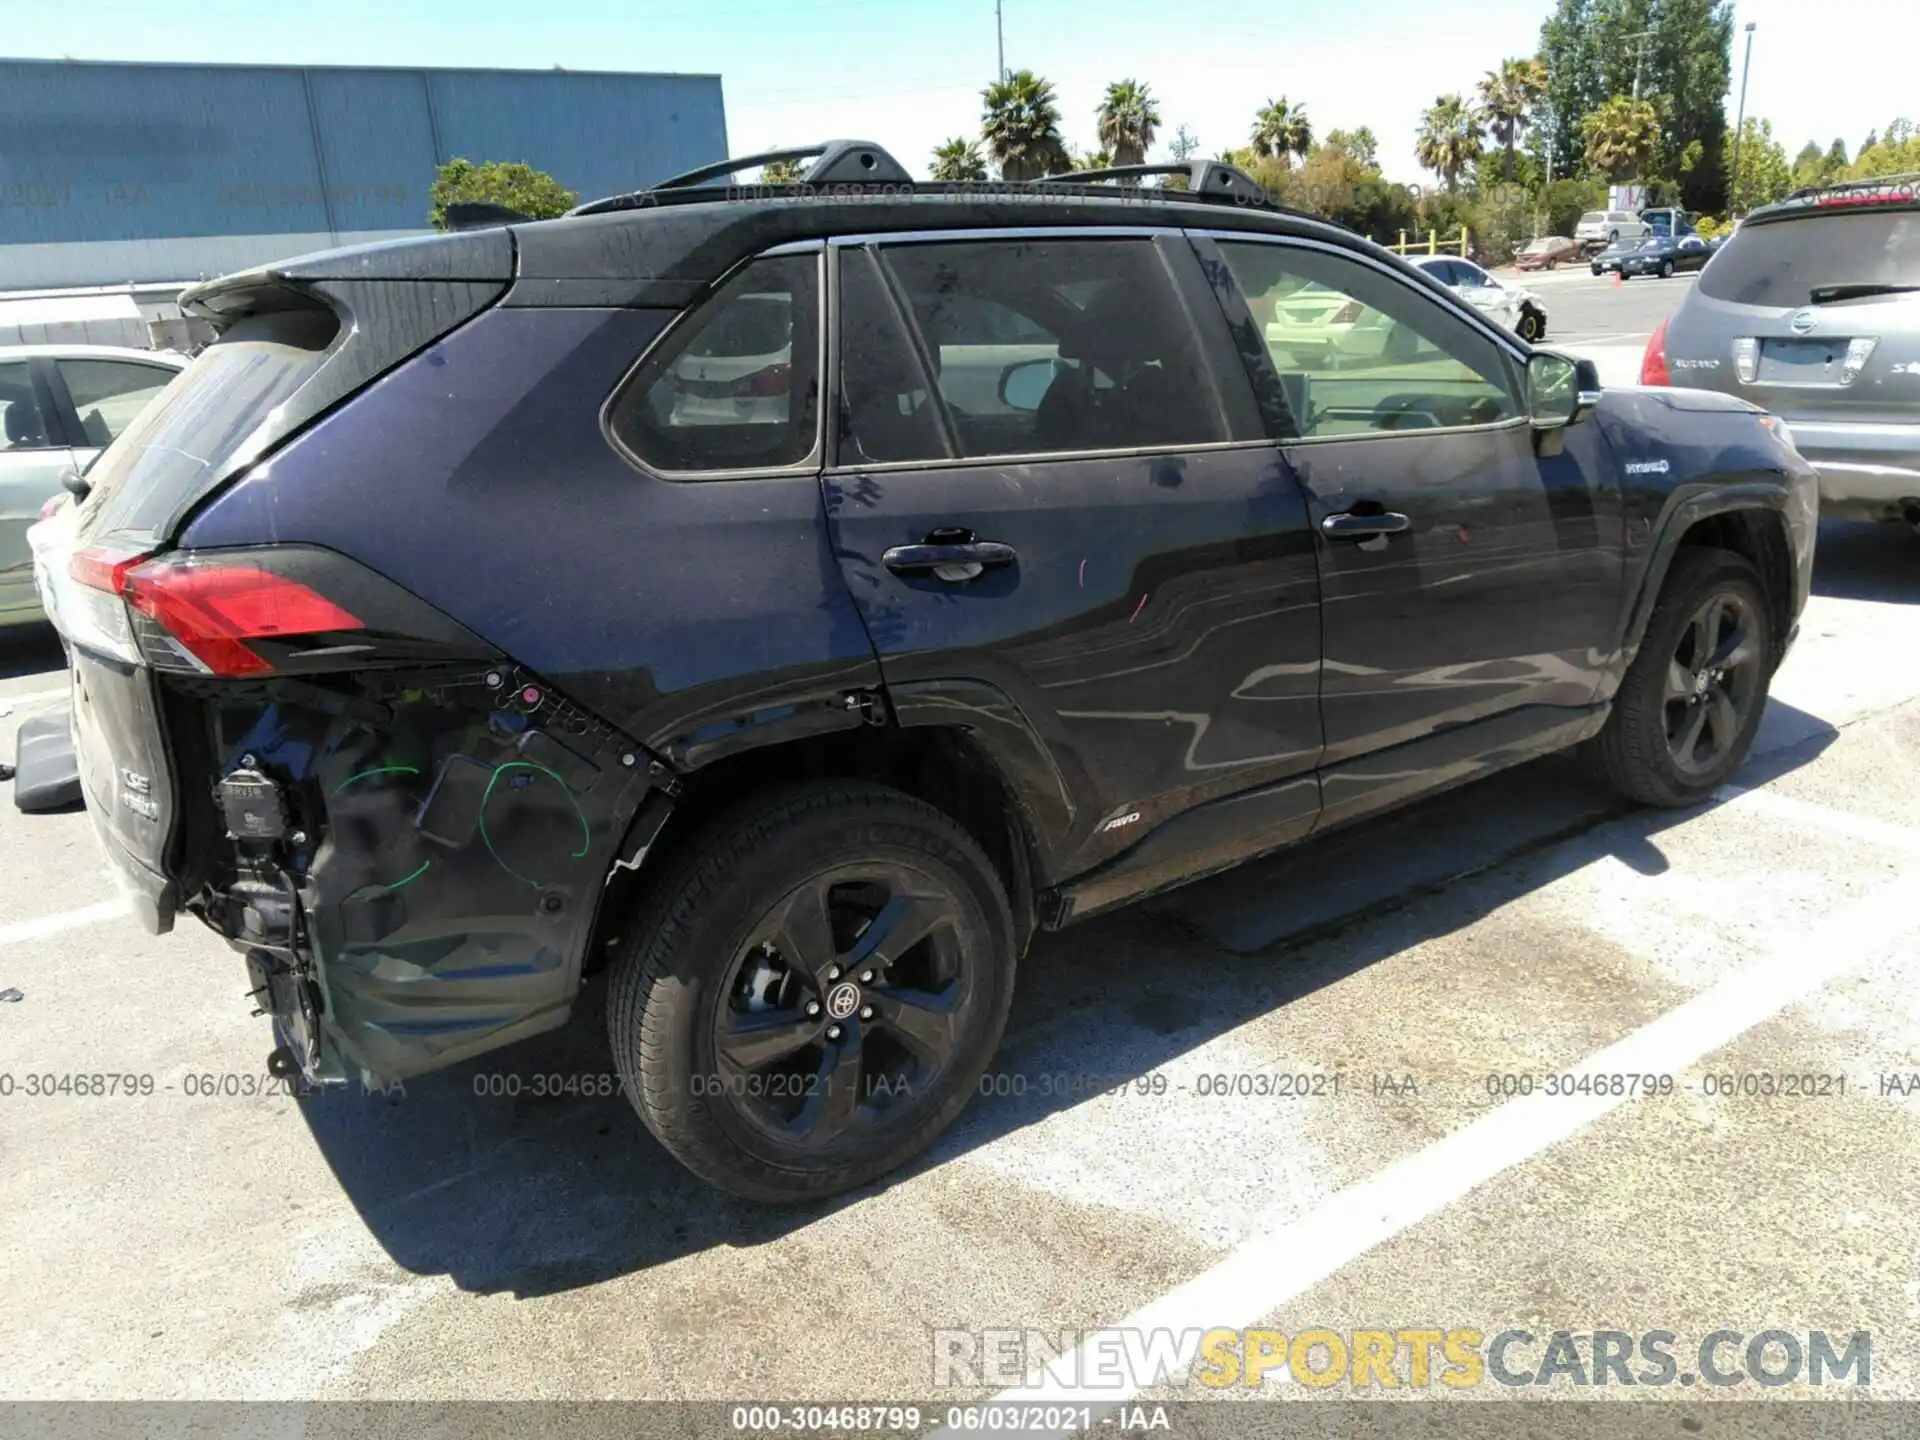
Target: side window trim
[[1510, 357], [901, 316], [50, 396], [810, 463]]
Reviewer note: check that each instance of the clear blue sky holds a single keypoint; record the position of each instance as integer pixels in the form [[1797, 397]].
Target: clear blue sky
[[908, 73]]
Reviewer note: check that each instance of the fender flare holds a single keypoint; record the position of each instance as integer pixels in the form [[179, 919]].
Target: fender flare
[[1684, 509]]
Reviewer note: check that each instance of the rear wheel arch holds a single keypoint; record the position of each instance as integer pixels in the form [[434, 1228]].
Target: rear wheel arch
[[946, 766]]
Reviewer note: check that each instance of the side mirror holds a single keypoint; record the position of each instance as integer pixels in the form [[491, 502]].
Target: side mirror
[[1561, 391], [1024, 384]]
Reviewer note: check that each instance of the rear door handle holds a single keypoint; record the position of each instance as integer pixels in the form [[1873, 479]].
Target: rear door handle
[[1356, 525], [954, 560]]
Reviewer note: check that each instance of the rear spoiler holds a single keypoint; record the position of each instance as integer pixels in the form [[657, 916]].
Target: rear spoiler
[[483, 256]]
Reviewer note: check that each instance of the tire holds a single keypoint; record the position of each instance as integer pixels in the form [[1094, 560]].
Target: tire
[[1551, 264], [1596, 270], [1638, 752], [1532, 327], [1666, 269], [1613, 237], [695, 974]]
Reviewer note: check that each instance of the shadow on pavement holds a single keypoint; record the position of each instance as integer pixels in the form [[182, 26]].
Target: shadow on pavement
[[1857, 561], [29, 650], [535, 1196]]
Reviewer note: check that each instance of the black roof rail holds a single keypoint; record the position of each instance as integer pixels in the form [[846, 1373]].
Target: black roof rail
[[1909, 178], [839, 162], [1206, 179]]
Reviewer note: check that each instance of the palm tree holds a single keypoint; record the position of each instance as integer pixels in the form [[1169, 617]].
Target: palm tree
[[958, 159], [780, 172], [1281, 131], [1449, 139], [1091, 160], [1128, 121], [1507, 98], [1621, 135], [1021, 126]]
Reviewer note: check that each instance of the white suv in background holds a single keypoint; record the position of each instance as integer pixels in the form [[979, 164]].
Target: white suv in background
[[1604, 227]]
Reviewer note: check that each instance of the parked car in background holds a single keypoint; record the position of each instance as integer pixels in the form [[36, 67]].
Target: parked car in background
[[1610, 259], [1663, 256], [458, 657], [59, 406], [1519, 310], [1600, 228], [1812, 309], [1669, 221], [1548, 253]]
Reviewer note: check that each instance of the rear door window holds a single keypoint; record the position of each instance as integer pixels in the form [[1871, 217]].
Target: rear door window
[[735, 384], [1781, 262], [108, 394], [1059, 346]]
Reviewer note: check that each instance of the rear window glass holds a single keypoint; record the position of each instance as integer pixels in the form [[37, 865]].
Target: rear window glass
[[1782, 262], [196, 426]]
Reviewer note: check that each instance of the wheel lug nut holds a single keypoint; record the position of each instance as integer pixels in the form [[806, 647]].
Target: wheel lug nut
[[866, 978], [833, 972], [813, 1007], [833, 1032], [866, 1012]]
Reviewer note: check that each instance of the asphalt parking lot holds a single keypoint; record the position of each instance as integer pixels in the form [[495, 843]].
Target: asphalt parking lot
[[1601, 318], [201, 1242]]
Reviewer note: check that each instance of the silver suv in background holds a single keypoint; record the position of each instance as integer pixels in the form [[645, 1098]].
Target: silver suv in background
[[1610, 227], [1812, 310]]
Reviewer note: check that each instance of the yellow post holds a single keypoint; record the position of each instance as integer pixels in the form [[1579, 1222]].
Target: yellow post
[[1401, 248], [1463, 242], [1433, 238]]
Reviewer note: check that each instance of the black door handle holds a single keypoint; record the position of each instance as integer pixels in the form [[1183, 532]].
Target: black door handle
[[944, 559], [1359, 525]]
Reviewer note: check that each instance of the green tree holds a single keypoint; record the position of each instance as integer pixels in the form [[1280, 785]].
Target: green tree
[[1184, 145], [532, 192], [1679, 52], [1360, 144], [1507, 98], [1281, 131], [1128, 122], [1837, 161], [1021, 127], [1810, 165], [1897, 153], [1449, 139], [958, 159], [780, 172], [1764, 174], [1621, 136], [1090, 160]]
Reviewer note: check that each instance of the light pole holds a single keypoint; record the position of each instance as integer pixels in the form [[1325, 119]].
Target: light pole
[[1740, 121], [1000, 43]]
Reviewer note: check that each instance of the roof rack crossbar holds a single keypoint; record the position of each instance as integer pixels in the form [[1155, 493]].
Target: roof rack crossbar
[[1844, 187], [1208, 179], [835, 162]]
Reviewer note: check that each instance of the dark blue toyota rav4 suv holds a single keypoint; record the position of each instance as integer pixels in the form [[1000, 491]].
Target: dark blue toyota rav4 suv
[[796, 598]]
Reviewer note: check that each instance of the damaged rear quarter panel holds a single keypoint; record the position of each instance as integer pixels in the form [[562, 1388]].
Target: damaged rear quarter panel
[[463, 823]]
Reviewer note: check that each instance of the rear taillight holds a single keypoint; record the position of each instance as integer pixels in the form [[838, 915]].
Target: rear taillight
[[1653, 364], [1347, 314], [206, 610], [50, 504]]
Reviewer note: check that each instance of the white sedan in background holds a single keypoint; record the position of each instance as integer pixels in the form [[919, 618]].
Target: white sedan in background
[[1519, 310], [60, 405]]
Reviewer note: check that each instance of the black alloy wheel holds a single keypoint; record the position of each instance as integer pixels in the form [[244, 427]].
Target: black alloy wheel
[[814, 985], [1713, 679], [1690, 704], [845, 999]]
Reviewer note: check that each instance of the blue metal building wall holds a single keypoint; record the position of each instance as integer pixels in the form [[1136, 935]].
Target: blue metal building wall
[[93, 152]]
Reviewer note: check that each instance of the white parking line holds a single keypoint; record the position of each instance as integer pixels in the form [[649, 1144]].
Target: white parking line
[[32, 697], [1266, 1272], [24, 930], [1822, 817]]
